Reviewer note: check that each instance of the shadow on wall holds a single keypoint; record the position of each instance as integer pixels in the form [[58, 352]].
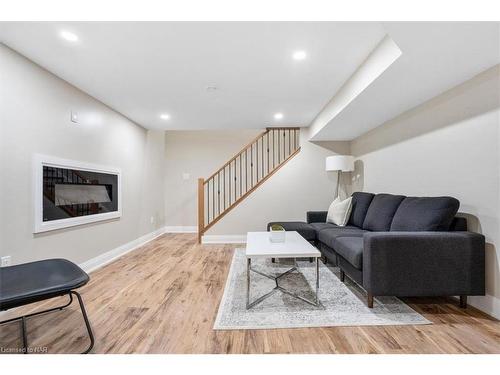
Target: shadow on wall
[[337, 147], [491, 261], [492, 269], [477, 96], [358, 176], [351, 181]]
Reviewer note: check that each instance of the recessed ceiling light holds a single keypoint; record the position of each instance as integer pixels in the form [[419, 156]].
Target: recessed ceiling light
[[69, 36], [165, 116], [278, 116], [299, 55]]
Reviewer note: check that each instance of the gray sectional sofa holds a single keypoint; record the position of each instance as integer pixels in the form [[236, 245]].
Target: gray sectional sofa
[[401, 246]]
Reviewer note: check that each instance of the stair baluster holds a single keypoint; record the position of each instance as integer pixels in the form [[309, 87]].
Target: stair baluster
[[263, 163]]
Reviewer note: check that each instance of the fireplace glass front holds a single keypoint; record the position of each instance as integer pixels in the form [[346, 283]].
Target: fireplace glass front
[[71, 193]]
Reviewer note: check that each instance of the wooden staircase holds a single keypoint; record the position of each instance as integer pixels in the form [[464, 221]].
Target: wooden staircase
[[243, 173]]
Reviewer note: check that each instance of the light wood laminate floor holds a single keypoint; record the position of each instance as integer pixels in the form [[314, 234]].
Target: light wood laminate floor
[[163, 298]]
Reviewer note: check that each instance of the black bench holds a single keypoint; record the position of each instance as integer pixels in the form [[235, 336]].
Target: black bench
[[38, 281]]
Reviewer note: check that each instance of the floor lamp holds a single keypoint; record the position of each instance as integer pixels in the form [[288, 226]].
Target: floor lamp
[[339, 163]]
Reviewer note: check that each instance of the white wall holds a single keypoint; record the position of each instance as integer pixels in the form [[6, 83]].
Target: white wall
[[198, 153], [34, 118], [301, 185], [447, 146]]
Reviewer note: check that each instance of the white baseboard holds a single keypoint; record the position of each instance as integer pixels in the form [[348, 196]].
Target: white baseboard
[[488, 304], [229, 238], [109, 256], [181, 229], [106, 258]]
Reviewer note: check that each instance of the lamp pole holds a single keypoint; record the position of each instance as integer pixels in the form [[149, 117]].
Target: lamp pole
[[338, 183], [339, 163]]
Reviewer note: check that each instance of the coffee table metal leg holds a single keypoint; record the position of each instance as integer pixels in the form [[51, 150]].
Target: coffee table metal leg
[[249, 304], [249, 263], [317, 279]]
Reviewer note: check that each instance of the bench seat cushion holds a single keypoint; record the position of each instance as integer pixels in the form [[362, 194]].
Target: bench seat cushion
[[37, 281], [304, 229]]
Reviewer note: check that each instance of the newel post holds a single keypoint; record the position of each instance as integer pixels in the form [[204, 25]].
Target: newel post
[[201, 208]]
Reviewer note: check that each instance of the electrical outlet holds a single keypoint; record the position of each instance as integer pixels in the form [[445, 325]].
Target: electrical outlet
[[6, 261]]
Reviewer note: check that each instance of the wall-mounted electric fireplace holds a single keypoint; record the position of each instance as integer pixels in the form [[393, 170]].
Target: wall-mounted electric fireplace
[[72, 193]]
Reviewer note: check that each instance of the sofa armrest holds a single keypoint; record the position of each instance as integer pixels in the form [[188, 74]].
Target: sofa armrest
[[316, 216], [424, 263]]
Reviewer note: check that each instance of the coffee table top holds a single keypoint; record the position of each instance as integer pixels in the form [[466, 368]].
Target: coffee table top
[[259, 245]]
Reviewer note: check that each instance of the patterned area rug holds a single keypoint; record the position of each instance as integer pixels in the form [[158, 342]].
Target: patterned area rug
[[340, 304]]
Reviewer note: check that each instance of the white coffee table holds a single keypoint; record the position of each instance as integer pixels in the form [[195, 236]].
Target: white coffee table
[[295, 246]]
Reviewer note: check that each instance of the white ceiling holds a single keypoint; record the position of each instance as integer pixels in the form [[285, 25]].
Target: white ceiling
[[435, 57], [145, 69]]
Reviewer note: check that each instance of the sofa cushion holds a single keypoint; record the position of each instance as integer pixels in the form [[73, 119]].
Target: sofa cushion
[[360, 203], [351, 249], [381, 211], [320, 226], [316, 216], [328, 235], [339, 211], [425, 214], [304, 229]]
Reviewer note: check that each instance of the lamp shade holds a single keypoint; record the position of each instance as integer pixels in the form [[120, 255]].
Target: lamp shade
[[344, 163]]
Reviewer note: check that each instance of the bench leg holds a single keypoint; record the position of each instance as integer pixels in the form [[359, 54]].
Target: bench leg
[[87, 323], [23, 321], [342, 276], [40, 312], [84, 313], [463, 302]]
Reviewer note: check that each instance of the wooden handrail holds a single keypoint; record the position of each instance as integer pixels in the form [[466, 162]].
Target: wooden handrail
[[238, 154], [245, 148], [283, 128], [243, 173], [212, 223]]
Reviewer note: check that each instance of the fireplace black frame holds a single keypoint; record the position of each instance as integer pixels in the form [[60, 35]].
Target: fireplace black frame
[[94, 204]]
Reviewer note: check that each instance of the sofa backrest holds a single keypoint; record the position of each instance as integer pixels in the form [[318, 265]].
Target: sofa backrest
[[425, 214], [359, 207], [459, 224], [382, 209], [387, 212]]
